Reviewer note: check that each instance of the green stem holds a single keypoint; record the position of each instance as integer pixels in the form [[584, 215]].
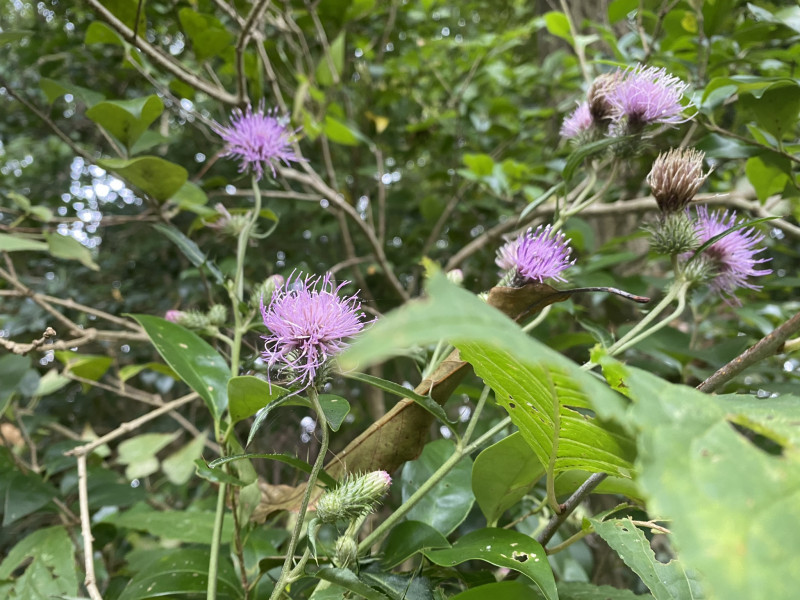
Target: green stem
[[568, 542], [462, 450], [312, 480], [216, 538]]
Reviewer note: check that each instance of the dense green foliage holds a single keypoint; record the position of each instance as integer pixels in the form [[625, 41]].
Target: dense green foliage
[[429, 134]]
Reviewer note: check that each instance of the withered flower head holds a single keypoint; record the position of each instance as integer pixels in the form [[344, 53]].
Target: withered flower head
[[599, 92], [675, 178]]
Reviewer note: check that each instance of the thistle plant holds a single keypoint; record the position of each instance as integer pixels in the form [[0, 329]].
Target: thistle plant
[[535, 255]]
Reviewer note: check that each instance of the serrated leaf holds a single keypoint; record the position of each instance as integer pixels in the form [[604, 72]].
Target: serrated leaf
[[503, 548], [192, 358], [668, 581]]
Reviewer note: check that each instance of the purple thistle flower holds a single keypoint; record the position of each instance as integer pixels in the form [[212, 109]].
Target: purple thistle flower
[[536, 256], [173, 316], [578, 122], [308, 322], [646, 95], [733, 256], [258, 138]]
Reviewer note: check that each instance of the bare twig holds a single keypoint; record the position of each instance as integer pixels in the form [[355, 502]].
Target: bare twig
[[569, 506], [86, 530], [244, 37], [323, 40], [768, 346], [162, 59]]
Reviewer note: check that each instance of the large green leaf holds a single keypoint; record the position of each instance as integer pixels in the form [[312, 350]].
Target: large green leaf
[[55, 89], [207, 34], [447, 505], [21, 493], [668, 581], [348, 580], [182, 572], [126, 120], [155, 176], [576, 590], [778, 107], [68, 248], [47, 556], [139, 453], [733, 509], [192, 358], [548, 396], [503, 548], [502, 474], [406, 539], [502, 590]]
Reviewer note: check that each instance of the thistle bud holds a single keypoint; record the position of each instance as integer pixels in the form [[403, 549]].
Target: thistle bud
[[345, 552], [265, 290], [173, 316], [227, 223], [674, 234], [356, 496], [675, 178], [217, 315], [193, 319], [456, 276]]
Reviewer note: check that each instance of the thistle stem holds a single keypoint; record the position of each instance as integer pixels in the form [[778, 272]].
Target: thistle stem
[[216, 540], [283, 579]]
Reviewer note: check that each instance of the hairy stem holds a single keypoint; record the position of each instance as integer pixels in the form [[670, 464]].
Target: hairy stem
[[312, 479]]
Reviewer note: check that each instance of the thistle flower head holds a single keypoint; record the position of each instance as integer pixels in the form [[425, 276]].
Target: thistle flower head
[[675, 178], [646, 95], [258, 138], [173, 316], [354, 497], [308, 323], [598, 95], [732, 258], [535, 256], [578, 122]]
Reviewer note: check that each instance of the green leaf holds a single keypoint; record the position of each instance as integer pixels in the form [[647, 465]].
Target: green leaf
[[558, 25], [502, 590], [189, 249], [55, 89], [323, 73], [668, 581], [482, 165], [216, 475], [548, 396], [179, 466], [502, 474], [350, 581], [190, 197], [88, 366], [777, 109], [732, 508], [17, 243], [50, 383], [620, 9], [22, 493], [139, 453], [9, 37], [768, 173], [406, 539], [583, 152], [68, 248], [574, 590], [502, 548], [295, 462], [446, 505], [207, 34], [191, 527], [47, 555], [182, 572], [192, 358], [425, 402], [247, 395], [775, 418], [129, 371], [338, 132], [12, 369], [335, 408], [155, 176], [126, 120], [100, 33]]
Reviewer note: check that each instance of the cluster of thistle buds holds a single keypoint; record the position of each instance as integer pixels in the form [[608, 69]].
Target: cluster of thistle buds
[[216, 316], [352, 500], [675, 178]]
